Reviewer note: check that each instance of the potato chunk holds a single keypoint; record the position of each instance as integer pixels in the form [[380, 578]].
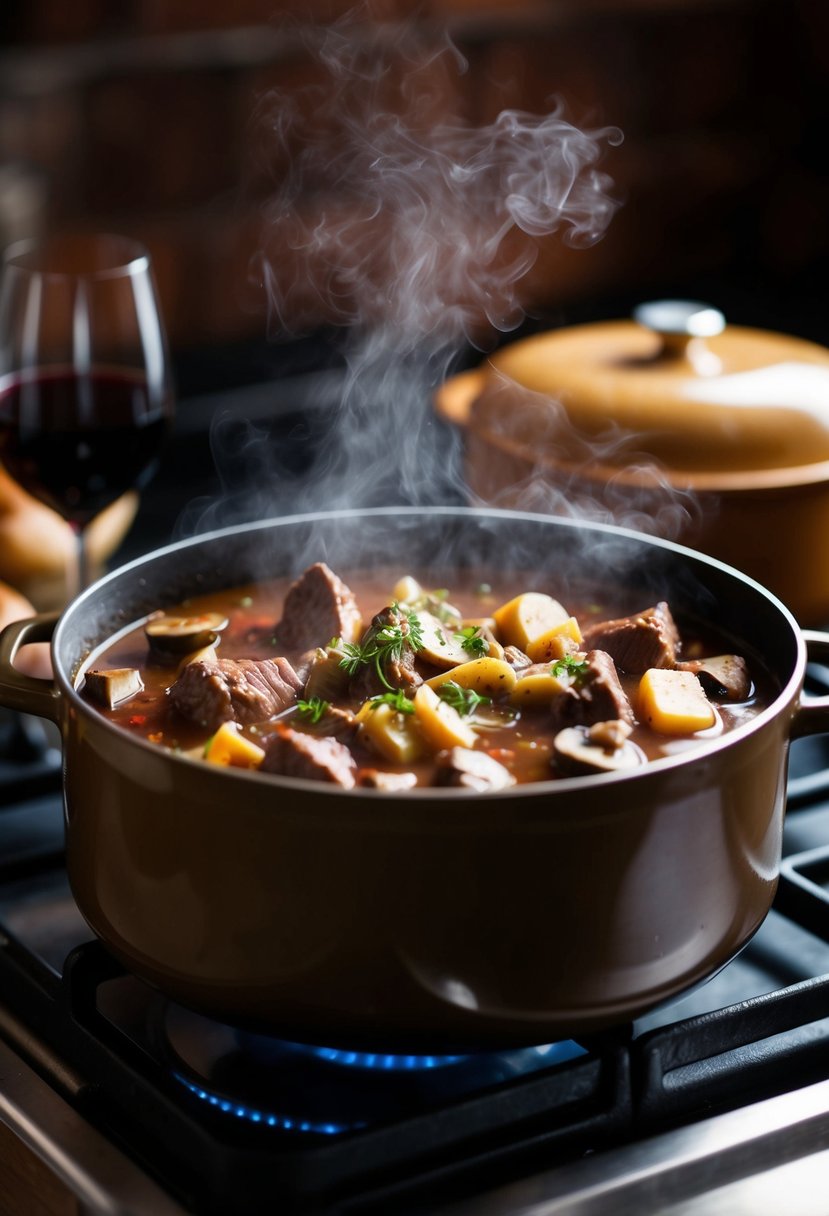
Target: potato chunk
[[491, 678], [523, 620], [536, 687], [562, 639], [440, 724], [673, 702], [228, 747], [389, 732]]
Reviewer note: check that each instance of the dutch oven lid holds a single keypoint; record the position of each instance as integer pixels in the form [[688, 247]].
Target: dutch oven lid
[[693, 393]]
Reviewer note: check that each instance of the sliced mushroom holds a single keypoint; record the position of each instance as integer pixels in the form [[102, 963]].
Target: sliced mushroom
[[170, 637], [112, 686], [327, 678], [207, 654], [603, 747], [516, 658], [376, 779], [724, 675], [339, 722], [471, 770], [441, 646]]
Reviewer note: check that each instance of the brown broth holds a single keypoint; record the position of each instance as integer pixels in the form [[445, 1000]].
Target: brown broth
[[524, 741]]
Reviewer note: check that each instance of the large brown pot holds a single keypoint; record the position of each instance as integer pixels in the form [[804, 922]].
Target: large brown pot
[[428, 917]]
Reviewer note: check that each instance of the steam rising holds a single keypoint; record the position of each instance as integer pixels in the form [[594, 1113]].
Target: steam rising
[[526, 454], [392, 215], [413, 231]]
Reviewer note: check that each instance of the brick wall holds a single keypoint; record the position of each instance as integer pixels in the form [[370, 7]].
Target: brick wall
[[141, 117]]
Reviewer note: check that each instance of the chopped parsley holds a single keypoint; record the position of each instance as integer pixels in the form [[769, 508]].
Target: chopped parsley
[[397, 700], [415, 636], [473, 642], [464, 700], [312, 710], [574, 665]]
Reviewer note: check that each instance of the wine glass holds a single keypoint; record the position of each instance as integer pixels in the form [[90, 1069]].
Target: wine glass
[[85, 393]]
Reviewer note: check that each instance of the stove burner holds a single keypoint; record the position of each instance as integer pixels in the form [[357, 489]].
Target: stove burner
[[326, 1091]]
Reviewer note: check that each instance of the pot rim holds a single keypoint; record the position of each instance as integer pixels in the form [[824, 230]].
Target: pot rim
[[559, 786]]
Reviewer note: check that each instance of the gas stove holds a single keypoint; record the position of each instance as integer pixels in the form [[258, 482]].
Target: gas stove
[[136, 1105], [114, 1100]]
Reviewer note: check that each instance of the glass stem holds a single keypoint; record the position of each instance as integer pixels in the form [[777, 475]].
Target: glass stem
[[83, 576]]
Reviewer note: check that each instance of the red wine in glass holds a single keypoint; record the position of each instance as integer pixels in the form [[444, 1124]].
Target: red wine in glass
[[77, 443], [85, 398]]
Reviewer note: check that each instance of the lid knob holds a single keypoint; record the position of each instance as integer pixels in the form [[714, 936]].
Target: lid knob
[[682, 324]]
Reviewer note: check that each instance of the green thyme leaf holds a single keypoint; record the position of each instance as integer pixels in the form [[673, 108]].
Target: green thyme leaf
[[574, 665], [436, 604], [312, 710], [415, 637], [464, 700], [473, 642], [397, 700], [354, 657]]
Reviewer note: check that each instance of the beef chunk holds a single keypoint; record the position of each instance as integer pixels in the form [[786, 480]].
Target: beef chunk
[[292, 753], [238, 690], [594, 696], [399, 669], [637, 643], [318, 607], [467, 769]]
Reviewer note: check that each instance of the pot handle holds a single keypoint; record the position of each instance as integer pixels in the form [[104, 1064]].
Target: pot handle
[[812, 714], [19, 691]]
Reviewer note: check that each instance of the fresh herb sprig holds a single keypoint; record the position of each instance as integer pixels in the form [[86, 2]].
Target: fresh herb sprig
[[464, 700], [383, 646], [574, 665], [313, 710], [437, 604], [473, 641], [397, 700]]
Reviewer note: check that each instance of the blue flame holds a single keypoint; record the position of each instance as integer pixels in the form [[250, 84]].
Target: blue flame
[[473, 1072], [267, 1118], [382, 1061]]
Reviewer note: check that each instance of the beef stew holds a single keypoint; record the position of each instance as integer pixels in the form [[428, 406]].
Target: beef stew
[[386, 682]]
